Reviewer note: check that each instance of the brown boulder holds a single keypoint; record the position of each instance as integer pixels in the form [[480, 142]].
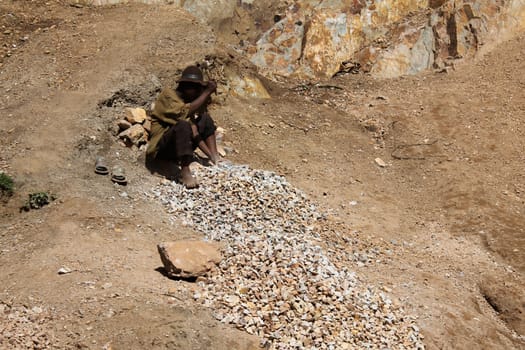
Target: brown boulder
[[136, 115], [135, 135], [188, 258]]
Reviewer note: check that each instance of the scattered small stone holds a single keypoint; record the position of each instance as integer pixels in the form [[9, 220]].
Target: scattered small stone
[[380, 162], [64, 271], [109, 313]]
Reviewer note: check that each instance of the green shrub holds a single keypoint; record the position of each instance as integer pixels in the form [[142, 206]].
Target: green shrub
[[6, 185], [37, 200]]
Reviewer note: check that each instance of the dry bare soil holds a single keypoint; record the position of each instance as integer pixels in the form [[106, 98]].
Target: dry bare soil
[[446, 212]]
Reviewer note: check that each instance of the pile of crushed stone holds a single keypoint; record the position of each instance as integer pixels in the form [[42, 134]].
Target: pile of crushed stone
[[276, 281]]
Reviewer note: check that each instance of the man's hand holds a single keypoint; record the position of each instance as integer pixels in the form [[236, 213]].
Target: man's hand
[[200, 101], [211, 87]]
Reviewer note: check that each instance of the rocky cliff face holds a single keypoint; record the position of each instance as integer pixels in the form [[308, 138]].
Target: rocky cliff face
[[388, 38], [454, 30]]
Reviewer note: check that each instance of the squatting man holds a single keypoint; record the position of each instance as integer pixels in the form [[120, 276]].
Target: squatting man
[[181, 123]]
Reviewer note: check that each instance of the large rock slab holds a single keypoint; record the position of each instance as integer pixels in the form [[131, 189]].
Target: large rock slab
[[414, 52], [279, 49], [188, 258]]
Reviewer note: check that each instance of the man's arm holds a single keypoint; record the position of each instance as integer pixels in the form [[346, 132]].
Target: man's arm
[[201, 100], [194, 107]]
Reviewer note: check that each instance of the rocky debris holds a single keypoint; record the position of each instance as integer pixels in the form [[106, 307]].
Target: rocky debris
[[135, 135], [18, 27], [187, 259], [278, 279], [134, 129], [24, 328], [136, 115]]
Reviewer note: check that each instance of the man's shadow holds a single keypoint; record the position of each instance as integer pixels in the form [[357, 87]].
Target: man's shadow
[[166, 168], [169, 169], [164, 273]]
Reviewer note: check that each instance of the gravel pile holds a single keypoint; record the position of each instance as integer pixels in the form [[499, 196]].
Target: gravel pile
[[276, 281]]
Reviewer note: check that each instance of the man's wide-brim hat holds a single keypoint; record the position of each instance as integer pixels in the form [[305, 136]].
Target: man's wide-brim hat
[[192, 74]]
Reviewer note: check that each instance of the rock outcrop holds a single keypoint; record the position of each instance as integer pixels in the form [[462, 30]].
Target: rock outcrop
[[389, 38], [454, 30]]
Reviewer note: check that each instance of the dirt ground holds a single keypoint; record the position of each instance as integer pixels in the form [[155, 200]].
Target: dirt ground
[[445, 213]]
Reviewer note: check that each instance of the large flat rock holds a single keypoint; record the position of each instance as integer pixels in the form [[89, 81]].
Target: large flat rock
[[189, 258]]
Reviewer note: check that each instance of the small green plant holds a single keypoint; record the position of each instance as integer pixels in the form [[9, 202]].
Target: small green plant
[[6, 185], [37, 200]]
